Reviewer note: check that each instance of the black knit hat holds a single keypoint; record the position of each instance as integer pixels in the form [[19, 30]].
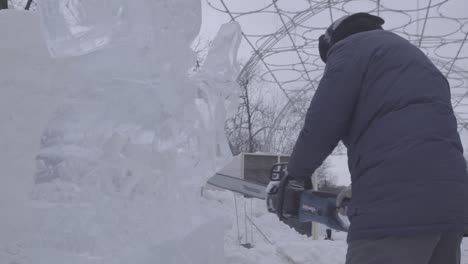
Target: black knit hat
[[345, 27]]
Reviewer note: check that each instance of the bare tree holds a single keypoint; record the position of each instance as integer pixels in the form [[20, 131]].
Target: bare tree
[[246, 130], [248, 111], [18, 4], [326, 181], [201, 46], [28, 4]]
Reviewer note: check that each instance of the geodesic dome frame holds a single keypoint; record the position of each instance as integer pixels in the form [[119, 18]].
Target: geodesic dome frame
[[289, 55]]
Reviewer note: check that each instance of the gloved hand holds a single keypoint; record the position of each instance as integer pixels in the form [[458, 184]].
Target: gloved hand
[[343, 199], [281, 193], [306, 183], [281, 189]]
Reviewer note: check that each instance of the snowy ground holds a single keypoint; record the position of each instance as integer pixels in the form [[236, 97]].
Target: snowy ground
[[284, 245]]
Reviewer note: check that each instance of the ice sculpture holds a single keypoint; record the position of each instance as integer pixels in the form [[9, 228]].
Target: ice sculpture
[[124, 157], [28, 97], [76, 27], [218, 93]]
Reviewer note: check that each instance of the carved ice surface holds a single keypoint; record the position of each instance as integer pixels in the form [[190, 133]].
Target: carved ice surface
[[76, 27], [28, 98], [124, 157]]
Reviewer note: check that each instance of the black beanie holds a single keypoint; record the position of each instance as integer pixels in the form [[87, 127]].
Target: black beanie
[[345, 27]]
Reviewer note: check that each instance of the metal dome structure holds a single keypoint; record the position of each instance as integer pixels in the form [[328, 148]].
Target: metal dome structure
[[288, 55]]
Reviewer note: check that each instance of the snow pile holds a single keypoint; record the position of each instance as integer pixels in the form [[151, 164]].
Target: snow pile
[[28, 97], [125, 155], [274, 242]]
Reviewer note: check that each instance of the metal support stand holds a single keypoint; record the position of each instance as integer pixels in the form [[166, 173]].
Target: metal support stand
[[315, 227], [246, 240]]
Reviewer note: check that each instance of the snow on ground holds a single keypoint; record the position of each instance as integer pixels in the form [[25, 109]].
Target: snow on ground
[[286, 245]]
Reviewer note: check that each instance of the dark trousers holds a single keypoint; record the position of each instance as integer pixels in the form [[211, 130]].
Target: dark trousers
[[434, 248]]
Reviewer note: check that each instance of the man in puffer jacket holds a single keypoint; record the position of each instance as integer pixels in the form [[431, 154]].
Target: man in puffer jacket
[[392, 109]]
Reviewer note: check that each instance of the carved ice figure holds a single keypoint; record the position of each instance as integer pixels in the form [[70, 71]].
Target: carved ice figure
[[125, 155]]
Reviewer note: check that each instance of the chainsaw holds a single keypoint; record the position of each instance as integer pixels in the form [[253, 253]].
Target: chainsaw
[[288, 199]]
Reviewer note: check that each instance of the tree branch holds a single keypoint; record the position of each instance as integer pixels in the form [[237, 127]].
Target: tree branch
[[28, 4]]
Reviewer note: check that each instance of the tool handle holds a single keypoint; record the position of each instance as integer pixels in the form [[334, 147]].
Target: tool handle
[[345, 203], [343, 208], [281, 192]]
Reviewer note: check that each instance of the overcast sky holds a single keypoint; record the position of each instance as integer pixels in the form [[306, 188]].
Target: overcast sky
[[253, 24]]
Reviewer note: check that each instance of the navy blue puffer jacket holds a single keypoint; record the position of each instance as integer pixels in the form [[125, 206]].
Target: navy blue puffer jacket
[[392, 109]]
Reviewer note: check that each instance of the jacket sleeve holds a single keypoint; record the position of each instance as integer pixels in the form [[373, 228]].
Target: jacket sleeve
[[328, 118]]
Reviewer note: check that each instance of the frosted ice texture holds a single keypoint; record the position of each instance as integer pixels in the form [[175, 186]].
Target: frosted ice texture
[[123, 158], [30, 91], [76, 27]]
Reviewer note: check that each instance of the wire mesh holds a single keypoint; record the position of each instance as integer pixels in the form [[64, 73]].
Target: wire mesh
[[286, 51]]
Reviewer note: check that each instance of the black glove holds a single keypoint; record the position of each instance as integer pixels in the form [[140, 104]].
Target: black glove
[[285, 181], [281, 194], [343, 200], [307, 183]]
